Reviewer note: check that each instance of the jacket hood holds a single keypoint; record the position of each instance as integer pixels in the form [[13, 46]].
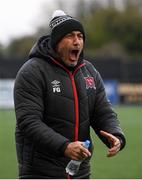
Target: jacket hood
[[42, 49]]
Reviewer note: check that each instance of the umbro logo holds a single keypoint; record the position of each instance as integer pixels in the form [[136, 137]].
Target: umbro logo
[[56, 86], [55, 83]]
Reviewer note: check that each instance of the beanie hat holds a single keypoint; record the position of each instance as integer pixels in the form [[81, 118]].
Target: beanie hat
[[62, 24]]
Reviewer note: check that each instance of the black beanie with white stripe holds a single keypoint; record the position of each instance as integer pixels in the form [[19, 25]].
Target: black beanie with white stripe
[[62, 24]]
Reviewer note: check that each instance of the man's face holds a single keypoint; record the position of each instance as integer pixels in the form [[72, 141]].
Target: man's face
[[70, 47]]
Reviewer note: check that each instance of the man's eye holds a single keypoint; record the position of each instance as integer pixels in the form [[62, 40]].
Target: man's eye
[[80, 36], [68, 35]]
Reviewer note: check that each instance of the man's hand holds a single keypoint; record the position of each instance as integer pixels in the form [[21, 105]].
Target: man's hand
[[114, 142], [76, 151]]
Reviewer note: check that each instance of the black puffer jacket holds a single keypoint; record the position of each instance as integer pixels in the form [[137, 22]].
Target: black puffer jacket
[[55, 105]]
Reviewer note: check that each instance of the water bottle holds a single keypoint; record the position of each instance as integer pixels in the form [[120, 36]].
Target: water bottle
[[73, 166]]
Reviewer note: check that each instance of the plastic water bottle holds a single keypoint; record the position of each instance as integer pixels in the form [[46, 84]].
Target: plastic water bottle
[[73, 166]]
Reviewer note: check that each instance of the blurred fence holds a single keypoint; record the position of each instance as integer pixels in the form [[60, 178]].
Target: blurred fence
[[123, 80], [122, 71], [9, 68]]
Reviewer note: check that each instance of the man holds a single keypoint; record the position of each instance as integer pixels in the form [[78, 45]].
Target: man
[[58, 96]]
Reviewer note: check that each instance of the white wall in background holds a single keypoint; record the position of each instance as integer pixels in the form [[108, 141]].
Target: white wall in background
[[6, 93]]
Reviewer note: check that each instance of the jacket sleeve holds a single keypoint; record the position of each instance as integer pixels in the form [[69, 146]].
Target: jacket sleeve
[[29, 109], [104, 117]]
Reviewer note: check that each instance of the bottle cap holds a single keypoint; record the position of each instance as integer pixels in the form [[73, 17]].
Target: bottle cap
[[87, 144]]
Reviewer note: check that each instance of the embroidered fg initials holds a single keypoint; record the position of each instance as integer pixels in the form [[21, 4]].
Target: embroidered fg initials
[[56, 89]]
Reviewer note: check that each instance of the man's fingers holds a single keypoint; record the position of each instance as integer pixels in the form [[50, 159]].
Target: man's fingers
[[77, 151], [111, 138], [114, 142], [85, 152], [107, 135], [114, 150], [82, 153], [112, 153]]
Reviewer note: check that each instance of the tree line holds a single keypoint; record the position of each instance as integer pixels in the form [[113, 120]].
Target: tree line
[[109, 32]]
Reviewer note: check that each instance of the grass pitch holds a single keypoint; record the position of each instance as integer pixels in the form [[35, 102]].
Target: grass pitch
[[126, 165]]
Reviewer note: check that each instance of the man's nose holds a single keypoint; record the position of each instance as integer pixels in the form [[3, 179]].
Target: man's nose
[[76, 40]]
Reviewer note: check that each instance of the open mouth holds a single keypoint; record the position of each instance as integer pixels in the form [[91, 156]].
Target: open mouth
[[74, 54]]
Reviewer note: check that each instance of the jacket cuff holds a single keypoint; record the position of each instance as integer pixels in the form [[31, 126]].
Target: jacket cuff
[[63, 148], [122, 141]]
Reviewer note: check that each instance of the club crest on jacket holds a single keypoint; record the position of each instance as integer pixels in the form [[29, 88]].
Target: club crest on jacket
[[90, 83]]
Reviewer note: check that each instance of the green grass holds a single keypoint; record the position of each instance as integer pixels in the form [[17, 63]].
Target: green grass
[[127, 164], [8, 161]]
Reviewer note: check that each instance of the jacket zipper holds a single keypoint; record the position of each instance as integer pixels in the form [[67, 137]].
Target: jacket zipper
[[76, 107], [76, 102]]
